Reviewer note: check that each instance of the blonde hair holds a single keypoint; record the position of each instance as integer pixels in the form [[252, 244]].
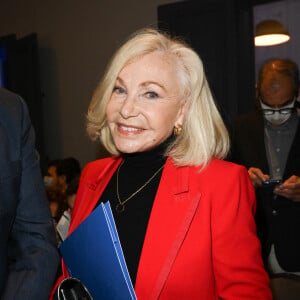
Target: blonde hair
[[203, 135]]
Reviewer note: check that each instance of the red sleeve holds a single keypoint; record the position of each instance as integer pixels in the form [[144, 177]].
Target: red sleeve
[[237, 260]]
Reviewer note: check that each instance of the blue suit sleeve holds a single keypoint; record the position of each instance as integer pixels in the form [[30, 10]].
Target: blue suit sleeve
[[33, 256]]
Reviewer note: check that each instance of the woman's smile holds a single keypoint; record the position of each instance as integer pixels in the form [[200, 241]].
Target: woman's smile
[[125, 129], [145, 104]]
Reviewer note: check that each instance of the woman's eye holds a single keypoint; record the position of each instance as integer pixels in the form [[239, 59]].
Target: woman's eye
[[151, 95], [118, 90]]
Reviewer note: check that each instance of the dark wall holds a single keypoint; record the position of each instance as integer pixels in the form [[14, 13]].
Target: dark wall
[[221, 31], [22, 77]]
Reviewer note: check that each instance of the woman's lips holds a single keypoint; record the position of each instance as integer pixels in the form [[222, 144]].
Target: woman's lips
[[125, 129]]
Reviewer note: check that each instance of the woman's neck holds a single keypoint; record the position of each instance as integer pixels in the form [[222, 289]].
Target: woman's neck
[[152, 156]]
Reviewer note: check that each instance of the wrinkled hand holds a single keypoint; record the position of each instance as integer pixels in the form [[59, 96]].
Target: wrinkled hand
[[257, 176], [289, 188]]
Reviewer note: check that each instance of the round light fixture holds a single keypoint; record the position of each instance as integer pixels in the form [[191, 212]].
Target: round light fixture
[[269, 33]]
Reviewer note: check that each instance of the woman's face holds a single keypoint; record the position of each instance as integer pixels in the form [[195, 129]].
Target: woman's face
[[146, 103]]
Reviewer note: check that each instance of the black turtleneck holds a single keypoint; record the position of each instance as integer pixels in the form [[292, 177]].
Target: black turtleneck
[[132, 223]]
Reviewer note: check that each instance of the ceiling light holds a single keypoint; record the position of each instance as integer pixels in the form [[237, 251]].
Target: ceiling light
[[269, 33]]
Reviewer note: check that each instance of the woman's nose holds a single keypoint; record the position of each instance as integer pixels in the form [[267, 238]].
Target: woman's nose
[[129, 108]]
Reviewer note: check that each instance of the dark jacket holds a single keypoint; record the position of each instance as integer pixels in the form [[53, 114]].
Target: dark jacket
[[278, 219], [28, 252]]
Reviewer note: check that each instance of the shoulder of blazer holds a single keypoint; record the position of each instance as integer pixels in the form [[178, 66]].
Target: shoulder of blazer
[[219, 168], [298, 129], [97, 168], [183, 178], [10, 104], [216, 174], [296, 141], [15, 127], [293, 160], [13, 112]]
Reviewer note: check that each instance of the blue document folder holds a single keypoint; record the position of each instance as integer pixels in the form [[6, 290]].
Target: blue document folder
[[93, 254]]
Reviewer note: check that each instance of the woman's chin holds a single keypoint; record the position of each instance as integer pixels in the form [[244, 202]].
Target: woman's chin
[[129, 148]]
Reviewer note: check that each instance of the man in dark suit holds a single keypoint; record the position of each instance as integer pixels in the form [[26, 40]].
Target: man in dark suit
[[28, 252], [267, 142]]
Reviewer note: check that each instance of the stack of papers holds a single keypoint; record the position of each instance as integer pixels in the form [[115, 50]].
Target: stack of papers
[[93, 254]]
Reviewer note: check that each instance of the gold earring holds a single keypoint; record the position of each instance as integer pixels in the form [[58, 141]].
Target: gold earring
[[177, 130]]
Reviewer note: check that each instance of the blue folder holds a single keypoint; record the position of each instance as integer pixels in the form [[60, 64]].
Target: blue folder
[[93, 254]]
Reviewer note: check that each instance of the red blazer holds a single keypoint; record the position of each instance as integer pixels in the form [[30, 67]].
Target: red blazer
[[201, 238]]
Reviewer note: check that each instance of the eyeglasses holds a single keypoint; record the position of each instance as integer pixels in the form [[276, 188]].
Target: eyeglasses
[[282, 111]]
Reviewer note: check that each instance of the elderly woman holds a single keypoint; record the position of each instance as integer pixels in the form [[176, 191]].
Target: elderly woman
[[184, 216]]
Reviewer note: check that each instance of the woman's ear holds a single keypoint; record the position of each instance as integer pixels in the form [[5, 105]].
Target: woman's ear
[[181, 113]]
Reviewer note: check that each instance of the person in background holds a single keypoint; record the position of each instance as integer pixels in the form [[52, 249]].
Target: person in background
[[185, 217], [71, 193], [58, 204], [64, 221], [68, 169], [60, 173], [267, 142], [28, 253], [51, 178]]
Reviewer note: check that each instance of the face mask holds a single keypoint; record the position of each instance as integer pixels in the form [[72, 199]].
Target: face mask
[[48, 181], [277, 118]]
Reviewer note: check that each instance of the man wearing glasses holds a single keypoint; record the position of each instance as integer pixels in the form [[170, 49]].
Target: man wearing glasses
[[267, 142]]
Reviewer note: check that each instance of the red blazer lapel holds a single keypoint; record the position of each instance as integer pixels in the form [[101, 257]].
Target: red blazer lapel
[[92, 186], [172, 213]]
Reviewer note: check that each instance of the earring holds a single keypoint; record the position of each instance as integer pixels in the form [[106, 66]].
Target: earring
[[177, 130]]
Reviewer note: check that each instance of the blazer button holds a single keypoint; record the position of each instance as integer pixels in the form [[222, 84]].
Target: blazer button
[[274, 212]]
